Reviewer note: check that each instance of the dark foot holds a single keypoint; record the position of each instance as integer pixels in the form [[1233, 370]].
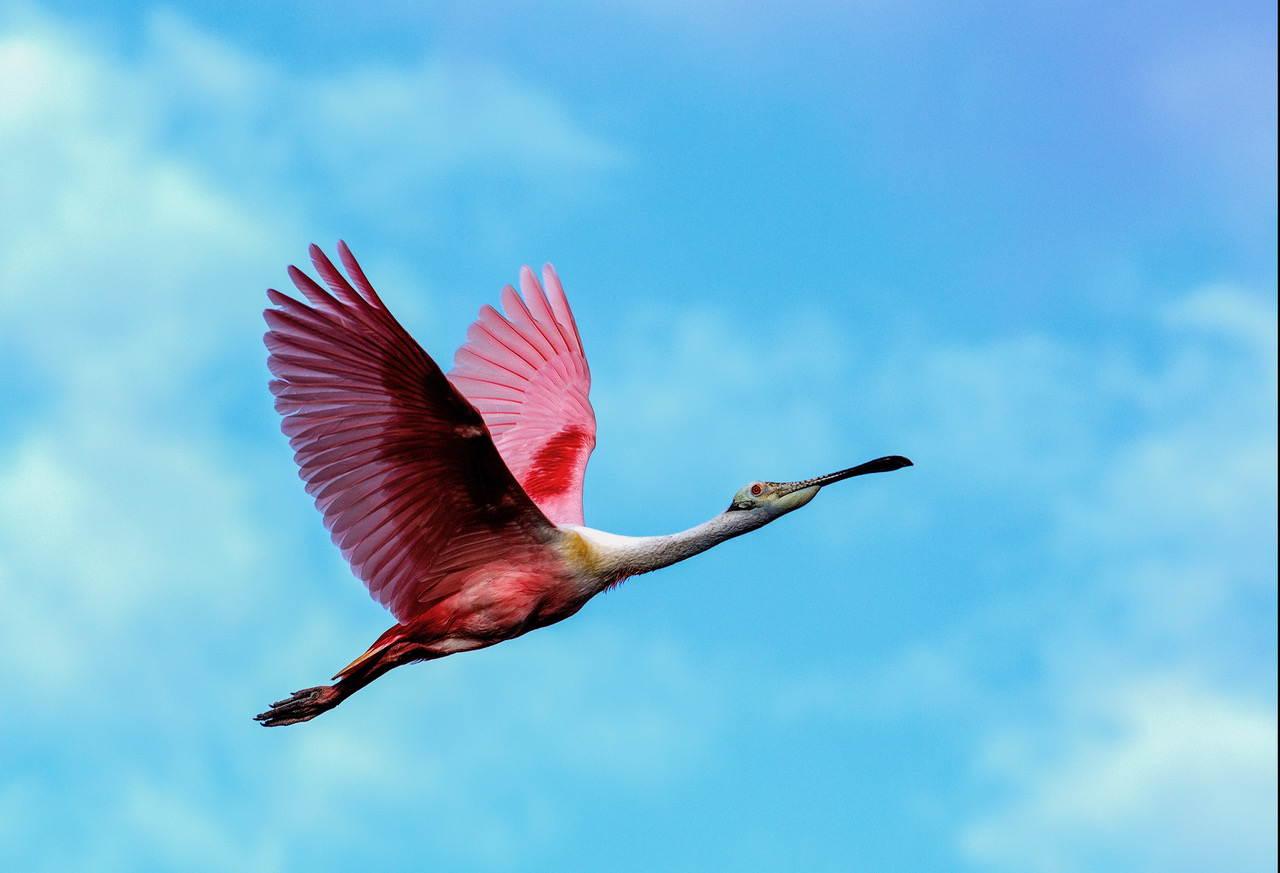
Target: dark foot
[[304, 705]]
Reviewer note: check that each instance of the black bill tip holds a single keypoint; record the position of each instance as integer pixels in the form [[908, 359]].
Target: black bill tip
[[885, 464]]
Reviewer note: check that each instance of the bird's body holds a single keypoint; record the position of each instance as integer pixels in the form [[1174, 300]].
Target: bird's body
[[458, 499]]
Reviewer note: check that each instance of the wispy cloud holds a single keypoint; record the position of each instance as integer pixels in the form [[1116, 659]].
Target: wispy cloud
[[1162, 559], [1093, 513], [1155, 774], [381, 139], [144, 553]]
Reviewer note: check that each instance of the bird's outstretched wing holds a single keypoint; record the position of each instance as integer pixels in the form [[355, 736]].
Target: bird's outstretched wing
[[401, 465], [528, 376]]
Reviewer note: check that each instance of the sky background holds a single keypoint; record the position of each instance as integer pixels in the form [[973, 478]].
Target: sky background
[[1030, 246]]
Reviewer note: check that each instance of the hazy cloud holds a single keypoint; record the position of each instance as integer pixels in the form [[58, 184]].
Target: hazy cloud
[[1151, 774]]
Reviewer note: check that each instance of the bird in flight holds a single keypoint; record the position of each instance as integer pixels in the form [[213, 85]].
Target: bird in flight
[[457, 498]]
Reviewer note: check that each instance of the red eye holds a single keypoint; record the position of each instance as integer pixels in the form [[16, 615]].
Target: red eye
[[757, 490]]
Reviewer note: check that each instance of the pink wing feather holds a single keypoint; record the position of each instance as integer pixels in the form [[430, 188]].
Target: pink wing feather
[[527, 375], [411, 486]]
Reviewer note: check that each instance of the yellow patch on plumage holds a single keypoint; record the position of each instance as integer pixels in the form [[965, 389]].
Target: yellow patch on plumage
[[580, 553]]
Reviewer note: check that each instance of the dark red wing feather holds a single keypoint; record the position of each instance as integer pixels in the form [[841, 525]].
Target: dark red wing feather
[[402, 466]]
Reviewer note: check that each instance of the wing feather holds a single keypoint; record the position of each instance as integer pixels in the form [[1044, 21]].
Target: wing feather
[[525, 371], [401, 465]]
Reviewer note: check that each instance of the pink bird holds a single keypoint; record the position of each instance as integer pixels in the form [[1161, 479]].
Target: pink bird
[[457, 498]]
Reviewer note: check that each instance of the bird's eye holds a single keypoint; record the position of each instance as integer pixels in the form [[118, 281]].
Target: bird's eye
[[757, 489]]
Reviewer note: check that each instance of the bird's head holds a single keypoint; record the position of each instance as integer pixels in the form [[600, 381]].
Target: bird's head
[[768, 500]]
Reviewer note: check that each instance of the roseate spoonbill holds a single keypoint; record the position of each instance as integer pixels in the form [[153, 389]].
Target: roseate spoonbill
[[457, 498]]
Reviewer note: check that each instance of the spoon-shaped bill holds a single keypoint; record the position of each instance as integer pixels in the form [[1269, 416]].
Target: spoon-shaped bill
[[879, 465]]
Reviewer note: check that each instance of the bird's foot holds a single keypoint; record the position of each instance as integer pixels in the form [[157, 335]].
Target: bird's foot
[[304, 705]]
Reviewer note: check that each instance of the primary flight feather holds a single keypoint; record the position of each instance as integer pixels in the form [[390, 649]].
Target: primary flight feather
[[457, 498]]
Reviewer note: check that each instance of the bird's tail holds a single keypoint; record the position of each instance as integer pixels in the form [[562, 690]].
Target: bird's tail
[[390, 650]]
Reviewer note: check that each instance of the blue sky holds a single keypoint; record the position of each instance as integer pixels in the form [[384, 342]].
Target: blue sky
[[1034, 249]]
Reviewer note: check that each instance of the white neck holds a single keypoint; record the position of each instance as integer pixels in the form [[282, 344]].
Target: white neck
[[612, 557]]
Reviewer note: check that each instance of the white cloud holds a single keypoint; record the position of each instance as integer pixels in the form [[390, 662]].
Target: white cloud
[[1130, 623], [1155, 774], [1012, 413], [1183, 514], [701, 393], [382, 139], [1179, 425], [147, 203], [125, 278], [144, 560], [1232, 315], [131, 276], [480, 758], [1166, 552], [137, 534]]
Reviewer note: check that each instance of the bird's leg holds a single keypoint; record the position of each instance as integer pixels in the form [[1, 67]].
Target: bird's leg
[[390, 651]]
